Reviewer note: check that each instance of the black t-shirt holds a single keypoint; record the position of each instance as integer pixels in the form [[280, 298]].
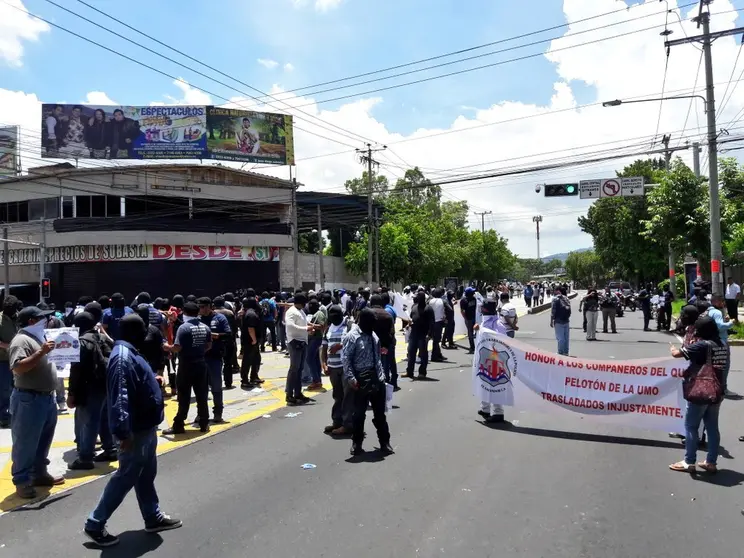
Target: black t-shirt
[[697, 354], [469, 306], [230, 315], [250, 319], [152, 348], [384, 327], [421, 320]]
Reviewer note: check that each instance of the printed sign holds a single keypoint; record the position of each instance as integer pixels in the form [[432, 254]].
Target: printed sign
[[589, 189], [632, 186], [165, 132], [610, 188], [643, 393], [141, 252], [66, 345], [9, 149], [247, 136]]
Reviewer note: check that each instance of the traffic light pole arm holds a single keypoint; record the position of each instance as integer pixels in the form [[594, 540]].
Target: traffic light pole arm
[[9, 241]]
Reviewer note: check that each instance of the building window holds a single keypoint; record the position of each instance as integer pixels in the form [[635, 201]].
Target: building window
[[82, 207], [68, 207], [46, 208]]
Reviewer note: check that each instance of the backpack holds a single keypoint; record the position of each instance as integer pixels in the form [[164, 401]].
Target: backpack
[[94, 341], [265, 309], [704, 388]]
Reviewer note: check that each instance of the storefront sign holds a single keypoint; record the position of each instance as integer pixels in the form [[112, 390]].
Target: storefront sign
[[643, 393], [142, 252]]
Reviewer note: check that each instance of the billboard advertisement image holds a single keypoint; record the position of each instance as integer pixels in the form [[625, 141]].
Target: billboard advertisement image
[[165, 132], [9, 147], [247, 136]]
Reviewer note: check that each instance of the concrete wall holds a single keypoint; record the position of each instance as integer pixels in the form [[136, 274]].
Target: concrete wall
[[336, 276]]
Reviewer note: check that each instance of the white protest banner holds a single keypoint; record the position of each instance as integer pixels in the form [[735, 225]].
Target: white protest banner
[[66, 345], [644, 393], [401, 306]]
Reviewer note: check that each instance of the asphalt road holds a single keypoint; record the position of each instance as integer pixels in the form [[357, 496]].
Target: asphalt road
[[455, 487]]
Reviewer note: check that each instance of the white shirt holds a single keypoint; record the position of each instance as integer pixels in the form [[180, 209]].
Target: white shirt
[[732, 291], [296, 322], [437, 305], [508, 310]]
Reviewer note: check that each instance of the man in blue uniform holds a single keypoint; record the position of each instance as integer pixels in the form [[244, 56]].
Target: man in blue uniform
[[221, 331]]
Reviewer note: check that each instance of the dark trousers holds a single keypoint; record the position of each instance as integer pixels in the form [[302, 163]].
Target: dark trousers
[[192, 375], [271, 326], [297, 351], [528, 301], [214, 378], [417, 344], [377, 401], [646, 317], [228, 366], [172, 365], [251, 364], [390, 366], [342, 412], [471, 333], [449, 332], [732, 305], [436, 340], [584, 324]]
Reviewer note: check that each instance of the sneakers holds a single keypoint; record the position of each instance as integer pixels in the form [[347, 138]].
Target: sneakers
[[62, 407], [218, 419], [78, 465], [164, 523], [101, 538], [25, 491], [292, 402], [303, 399], [204, 428], [387, 449], [106, 457], [47, 480], [356, 449]]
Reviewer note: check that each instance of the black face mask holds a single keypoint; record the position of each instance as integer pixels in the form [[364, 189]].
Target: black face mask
[[335, 318]]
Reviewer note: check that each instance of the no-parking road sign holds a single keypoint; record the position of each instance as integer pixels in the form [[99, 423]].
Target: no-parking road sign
[[611, 188]]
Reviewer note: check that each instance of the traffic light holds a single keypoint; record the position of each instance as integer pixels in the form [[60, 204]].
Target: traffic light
[[554, 190], [46, 288]]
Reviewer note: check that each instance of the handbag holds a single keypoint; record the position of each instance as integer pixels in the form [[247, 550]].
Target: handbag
[[369, 381], [704, 388]]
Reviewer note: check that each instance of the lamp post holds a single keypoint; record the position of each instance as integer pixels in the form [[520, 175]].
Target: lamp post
[[537, 219]]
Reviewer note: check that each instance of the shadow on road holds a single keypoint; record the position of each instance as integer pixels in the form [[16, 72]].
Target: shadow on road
[[725, 477], [580, 436], [41, 502], [132, 544]]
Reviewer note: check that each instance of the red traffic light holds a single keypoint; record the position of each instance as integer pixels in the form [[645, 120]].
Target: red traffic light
[[46, 288]]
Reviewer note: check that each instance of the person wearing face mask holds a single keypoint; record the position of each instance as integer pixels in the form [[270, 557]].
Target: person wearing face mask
[[8, 330], [135, 406], [366, 378], [113, 315], [468, 309], [331, 354], [32, 404], [422, 320]]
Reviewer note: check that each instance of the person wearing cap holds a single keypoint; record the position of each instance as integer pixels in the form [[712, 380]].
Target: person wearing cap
[[220, 328], [33, 407], [193, 340]]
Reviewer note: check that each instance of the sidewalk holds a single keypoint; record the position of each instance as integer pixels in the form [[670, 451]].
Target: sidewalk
[[266, 403]]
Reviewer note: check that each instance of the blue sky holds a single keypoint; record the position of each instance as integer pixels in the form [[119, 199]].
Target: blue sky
[[500, 114]]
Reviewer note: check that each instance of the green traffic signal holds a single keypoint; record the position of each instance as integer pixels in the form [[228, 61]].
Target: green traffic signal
[[570, 188]]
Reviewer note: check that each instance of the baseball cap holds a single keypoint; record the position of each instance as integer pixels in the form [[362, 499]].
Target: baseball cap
[[31, 313]]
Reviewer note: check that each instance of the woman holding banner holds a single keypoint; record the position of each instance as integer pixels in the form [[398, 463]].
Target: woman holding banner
[[702, 385]]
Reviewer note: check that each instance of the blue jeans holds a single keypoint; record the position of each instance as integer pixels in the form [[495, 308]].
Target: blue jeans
[[91, 420], [561, 335], [138, 467], [214, 376], [313, 359], [6, 387], [32, 423], [709, 415]]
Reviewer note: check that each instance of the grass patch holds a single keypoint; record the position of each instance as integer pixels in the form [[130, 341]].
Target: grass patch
[[677, 307]]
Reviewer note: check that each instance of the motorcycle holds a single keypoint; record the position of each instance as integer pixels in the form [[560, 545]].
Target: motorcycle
[[630, 303]]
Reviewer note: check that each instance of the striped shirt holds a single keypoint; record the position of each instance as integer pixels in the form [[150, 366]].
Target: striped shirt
[[335, 336]]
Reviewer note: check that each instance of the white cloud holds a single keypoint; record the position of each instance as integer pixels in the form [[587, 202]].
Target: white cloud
[[98, 98], [191, 95], [16, 27], [268, 63], [325, 5], [288, 67], [620, 68]]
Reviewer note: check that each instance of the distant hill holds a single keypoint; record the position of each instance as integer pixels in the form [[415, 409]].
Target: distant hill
[[563, 255]]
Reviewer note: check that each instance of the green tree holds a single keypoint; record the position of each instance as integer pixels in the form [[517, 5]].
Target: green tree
[[359, 186], [415, 189], [585, 269]]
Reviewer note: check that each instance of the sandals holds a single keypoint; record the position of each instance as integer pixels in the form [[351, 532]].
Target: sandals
[[682, 467], [708, 467]]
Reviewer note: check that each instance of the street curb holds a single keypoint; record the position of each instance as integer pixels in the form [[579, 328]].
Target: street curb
[[547, 305]]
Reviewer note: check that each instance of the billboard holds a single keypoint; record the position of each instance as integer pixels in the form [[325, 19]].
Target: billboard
[[165, 132], [9, 148], [247, 136]]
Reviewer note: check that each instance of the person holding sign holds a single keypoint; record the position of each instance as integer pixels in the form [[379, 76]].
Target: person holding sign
[[703, 391]]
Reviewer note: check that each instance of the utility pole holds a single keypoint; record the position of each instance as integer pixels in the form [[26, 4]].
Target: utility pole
[[6, 262], [295, 237], [320, 251], [483, 219], [42, 260], [377, 241], [671, 261], [537, 219], [696, 158], [707, 38], [366, 157]]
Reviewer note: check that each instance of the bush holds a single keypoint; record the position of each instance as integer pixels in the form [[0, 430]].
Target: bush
[[680, 284]]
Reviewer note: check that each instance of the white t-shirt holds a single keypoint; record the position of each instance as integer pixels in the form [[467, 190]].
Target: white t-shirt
[[508, 311], [437, 304], [732, 291]]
